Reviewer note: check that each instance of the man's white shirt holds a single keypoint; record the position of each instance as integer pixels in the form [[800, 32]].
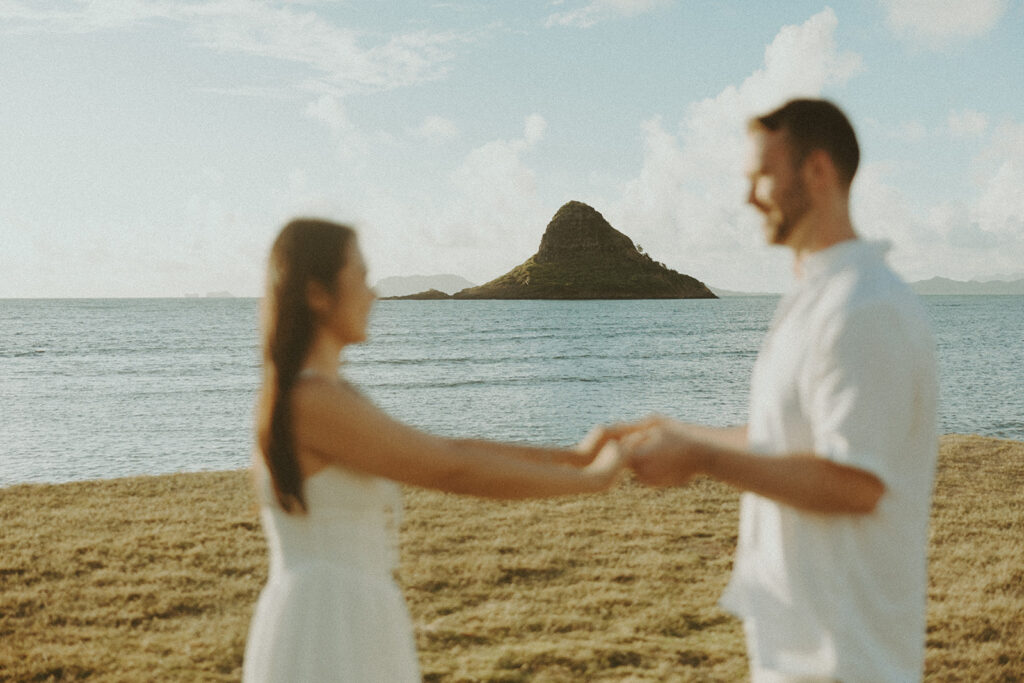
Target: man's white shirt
[[847, 372]]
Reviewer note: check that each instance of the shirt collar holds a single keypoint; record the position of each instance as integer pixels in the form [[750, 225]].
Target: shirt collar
[[828, 261]]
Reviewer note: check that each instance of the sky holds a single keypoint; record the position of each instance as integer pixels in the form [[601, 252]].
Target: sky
[[155, 148]]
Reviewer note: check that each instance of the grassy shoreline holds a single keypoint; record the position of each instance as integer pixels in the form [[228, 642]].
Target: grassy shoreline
[[154, 578]]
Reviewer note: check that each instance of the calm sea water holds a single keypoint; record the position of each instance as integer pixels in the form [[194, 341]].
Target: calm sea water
[[109, 388]]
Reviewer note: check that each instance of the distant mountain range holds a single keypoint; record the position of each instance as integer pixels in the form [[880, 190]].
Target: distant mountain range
[[941, 285], [935, 286], [728, 292], [411, 284]]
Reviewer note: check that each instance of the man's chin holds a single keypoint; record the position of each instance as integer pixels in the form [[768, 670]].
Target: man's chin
[[774, 234]]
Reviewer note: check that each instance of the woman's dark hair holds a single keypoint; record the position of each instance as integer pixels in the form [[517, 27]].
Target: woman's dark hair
[[306, 251]]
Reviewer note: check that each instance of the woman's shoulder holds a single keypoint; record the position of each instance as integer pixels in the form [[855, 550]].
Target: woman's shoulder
[[315, 386], [319, 400]]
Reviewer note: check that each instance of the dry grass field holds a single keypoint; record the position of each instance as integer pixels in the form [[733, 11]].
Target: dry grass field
[[154, 578]]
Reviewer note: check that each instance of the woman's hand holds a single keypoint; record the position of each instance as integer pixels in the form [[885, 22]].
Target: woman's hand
[[589, 446], [608, 466], [599, 436]]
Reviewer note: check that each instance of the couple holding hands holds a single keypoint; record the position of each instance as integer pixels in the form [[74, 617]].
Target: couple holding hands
[[836, 462]]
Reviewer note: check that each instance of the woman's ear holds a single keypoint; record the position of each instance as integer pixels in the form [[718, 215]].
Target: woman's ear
[[318, 298]]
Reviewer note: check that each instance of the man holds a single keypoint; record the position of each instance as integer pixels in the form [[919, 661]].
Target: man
[[838, 458]]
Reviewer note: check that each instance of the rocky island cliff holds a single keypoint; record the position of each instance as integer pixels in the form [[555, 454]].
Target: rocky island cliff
[[581, 256]]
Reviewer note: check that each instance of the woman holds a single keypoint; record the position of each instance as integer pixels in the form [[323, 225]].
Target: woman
[[328, 473]]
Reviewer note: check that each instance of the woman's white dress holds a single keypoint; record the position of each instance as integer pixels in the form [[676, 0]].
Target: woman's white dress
[[331, 610]]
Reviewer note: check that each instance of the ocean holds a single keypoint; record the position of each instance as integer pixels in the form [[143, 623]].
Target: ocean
[[121, 387]]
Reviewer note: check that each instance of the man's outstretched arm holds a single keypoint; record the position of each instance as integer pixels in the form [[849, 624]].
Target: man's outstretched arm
[[669, 453], [728, 437]]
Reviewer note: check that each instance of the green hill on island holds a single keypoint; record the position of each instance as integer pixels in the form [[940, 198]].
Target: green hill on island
[[581, 256]]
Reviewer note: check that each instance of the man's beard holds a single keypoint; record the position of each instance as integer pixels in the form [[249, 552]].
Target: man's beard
[[792, 207]]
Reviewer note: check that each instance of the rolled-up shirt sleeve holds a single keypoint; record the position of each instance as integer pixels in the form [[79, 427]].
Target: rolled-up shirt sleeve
[[859, 389]]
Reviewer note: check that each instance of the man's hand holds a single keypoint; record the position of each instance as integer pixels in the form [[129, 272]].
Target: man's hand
[[601, 435], [666, 453], [671, 453]]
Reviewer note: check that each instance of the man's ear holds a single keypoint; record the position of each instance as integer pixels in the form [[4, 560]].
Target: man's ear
[[819, 171], [318, 298]]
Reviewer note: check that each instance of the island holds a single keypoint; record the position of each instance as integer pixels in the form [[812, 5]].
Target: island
[[581, 256]]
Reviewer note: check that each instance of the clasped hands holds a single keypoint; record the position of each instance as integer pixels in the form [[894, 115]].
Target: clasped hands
[[659, 450]]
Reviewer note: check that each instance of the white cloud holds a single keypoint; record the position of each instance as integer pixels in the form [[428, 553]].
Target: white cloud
[[962, 124], [436, 129], [478, 219], [337, 53], [880, 210], [688, 199], [533, 130], [1000, 208], [938, 23], [496, 191], [79, 16], [966, 123], [971, 238], [923, 238], [330, 111], [252, 91], [345, 58], [602, 10]]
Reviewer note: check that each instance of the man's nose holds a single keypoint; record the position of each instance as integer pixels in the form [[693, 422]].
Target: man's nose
[[752, 198]]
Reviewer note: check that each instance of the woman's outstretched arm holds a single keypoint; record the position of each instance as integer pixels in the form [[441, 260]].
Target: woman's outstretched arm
[[335, 425]]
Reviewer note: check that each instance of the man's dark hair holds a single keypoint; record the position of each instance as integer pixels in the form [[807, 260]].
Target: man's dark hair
[[815, 124]]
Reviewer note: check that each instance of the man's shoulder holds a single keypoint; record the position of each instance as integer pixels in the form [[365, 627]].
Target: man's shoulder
[[867, 283], [871, 294]]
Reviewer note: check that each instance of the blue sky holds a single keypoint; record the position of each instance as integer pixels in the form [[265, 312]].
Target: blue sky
[[155, 148]]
